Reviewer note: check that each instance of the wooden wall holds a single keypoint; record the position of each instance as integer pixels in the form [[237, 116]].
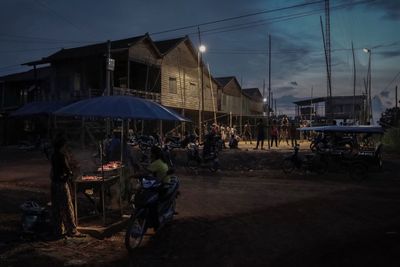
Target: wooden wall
[[144, 52], [181, 64]]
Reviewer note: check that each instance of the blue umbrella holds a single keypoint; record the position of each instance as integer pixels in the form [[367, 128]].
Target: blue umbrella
[[120, 107], [38, 108]]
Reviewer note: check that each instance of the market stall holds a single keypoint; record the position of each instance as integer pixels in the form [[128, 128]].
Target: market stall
[[113, 107], [94, 186]]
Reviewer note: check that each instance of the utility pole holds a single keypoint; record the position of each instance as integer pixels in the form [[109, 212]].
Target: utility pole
[[354, 85], [269, 88], [369, 88], [241, 104], [328, 45], [201, 113], [312, 107], [272, 102], [397, 103], [328, 74], [108, 71], [366, 106], [108, 82]]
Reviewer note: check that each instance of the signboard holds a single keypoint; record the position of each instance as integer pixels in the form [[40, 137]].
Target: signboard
[[110, 64]]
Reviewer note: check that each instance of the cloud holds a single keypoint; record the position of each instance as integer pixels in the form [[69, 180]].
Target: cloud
[[294, 83], [385, 93], [389, 103], [284, 89], [389, 54], [390, 7]]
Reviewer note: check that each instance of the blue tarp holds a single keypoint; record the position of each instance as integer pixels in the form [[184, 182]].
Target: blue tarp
[[38, 108], [345, 129], [120, 107]]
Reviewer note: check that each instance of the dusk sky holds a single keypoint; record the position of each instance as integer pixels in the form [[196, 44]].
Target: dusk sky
[[32, 29]]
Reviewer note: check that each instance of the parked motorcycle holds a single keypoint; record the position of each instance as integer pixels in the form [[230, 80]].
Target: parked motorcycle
[[331, 144], [208, 159], [316, 163], [154, 206]]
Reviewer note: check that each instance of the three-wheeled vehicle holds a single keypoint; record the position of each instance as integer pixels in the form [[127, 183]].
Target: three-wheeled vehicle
[[356, 149]]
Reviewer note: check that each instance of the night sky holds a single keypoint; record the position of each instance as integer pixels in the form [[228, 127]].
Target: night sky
[[32, 29]]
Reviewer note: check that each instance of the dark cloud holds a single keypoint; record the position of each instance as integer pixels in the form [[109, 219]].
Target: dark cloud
[[284, 89], [384, 94], [388, 54], [294, 83], [390, 7]]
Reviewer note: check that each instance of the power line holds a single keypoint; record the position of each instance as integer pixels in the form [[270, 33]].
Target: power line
[[29, 50], [395, 77], [15, 36], [237, 17], [278, 19], [62, 17], [291, 51]]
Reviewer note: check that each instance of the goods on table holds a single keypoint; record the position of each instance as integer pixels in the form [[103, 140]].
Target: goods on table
[[112, 165], [91, 178]]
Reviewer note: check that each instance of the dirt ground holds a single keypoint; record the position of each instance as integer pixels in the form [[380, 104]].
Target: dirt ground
[[248, 214]]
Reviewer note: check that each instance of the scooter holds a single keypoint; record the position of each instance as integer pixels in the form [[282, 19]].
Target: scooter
[[207, 160], [154, 206]]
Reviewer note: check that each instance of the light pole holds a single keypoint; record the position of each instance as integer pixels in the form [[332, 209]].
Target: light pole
[[369, 99], [202, 49]]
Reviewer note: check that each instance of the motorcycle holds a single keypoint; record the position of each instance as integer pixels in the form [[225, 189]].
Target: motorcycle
[[316, 163], [154, 206], [207, 160], [325, 144]]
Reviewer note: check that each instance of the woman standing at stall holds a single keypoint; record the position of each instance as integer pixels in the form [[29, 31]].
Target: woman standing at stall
[[62, 207]]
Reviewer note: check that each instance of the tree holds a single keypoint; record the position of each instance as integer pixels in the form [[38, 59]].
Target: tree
[[390, 118]]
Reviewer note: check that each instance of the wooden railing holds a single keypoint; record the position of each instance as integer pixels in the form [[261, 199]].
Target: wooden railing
[[143, 94]]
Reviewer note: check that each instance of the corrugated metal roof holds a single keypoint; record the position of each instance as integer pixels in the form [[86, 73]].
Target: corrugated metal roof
[[88, 50], [223, 81], [253, 93], [29, 75], [164, 46]]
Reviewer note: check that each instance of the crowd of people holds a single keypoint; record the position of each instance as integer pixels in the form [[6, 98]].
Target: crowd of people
[[278, 131]]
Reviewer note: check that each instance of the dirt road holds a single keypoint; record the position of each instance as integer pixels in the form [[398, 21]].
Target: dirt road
[[250, 214]]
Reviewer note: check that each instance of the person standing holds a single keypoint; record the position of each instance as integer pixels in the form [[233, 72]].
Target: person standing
[[274, 133], [247, 133], [260, 134], [62, 207], [293, 134]]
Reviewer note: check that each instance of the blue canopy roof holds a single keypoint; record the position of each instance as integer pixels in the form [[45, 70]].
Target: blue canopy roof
[[120, 107], [345, 129], [38, 108]]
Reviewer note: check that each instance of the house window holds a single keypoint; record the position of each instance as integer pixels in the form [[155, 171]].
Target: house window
[[192, 86], [172, 85]]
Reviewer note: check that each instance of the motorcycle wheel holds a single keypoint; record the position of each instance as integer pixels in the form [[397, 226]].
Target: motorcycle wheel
[[192, 165], [288, 166], [215, 166], [313, 146], [319, 165], [134, 233], [358, 171]]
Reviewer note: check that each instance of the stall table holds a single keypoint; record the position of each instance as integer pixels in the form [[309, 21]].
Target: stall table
[[99, 183]]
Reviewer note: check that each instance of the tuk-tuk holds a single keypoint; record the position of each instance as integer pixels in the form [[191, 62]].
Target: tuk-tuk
[[359, 147]]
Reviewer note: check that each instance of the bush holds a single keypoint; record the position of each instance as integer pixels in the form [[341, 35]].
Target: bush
[[391, 139]]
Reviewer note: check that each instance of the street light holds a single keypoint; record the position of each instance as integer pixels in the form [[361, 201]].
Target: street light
[[202, 49], [369, 109]]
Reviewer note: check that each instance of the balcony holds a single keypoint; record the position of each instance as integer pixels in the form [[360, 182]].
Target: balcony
[[138, 93]]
